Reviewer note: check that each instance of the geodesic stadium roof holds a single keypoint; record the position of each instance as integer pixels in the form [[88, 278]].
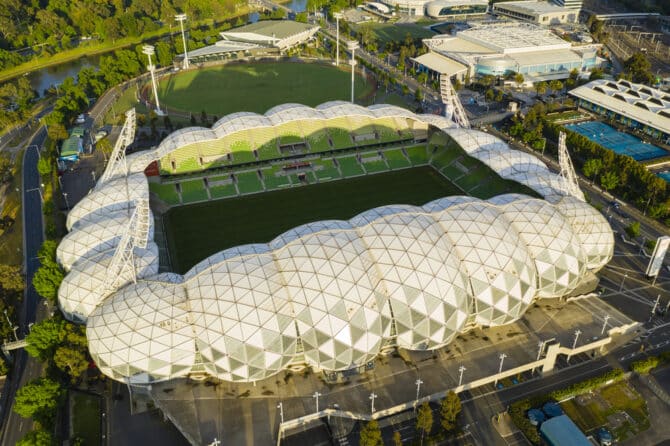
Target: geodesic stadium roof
[[330, 293]]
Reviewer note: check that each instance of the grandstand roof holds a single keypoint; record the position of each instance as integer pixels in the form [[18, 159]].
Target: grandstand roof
[[268, 31], [331, 287], [440, 64], [644, 104]]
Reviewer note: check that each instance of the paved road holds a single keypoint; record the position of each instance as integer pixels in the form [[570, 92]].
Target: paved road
[[27, 368]]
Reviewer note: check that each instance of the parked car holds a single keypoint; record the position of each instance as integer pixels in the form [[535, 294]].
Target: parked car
[[80, 119]]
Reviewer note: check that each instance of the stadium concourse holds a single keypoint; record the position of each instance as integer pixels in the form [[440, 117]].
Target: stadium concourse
[[329, 295]]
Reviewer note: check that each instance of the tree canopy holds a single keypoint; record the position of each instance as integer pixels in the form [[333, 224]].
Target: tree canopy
[[371, 434], [49, 275], [38, 437], [38, 399], [424, 419], [638, 69], [450, 408]]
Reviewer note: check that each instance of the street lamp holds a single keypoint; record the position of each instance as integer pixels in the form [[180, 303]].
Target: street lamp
[[622, 281], [607, 317], [180, 18], [574, 342], [316, 396], [352, 46], [372, 404], [338, 16], [149, 51], [67, 205], [14, 327], [461, 369], [502, 359], [280, 406], [418, 383]]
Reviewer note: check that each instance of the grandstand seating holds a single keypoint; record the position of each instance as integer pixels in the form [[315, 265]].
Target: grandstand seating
[[240, 148], [265, 142], [184, 160], [403, 128], [248, 182], [325, 170], [350, 166], [166, 192], [316, 135], [193, 190], [274, 181], [373, 163], [290, 133], [444, 156], [418, 155], [222, 190], [386, 129], [396, 159], [361, 125], [338, 129]]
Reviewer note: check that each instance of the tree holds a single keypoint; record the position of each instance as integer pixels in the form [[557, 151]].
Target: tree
[[38, 399], [424, 420], [71, 360], [38, 437], [5, 168], [44, 166], [44, 338], [633, 230], [449, 410], [10, 278], [609, 180], [57, 131], [49, 275], [397, 439], [371, 434], [556, 85], [639, 68], [592, 168], [518, 79]]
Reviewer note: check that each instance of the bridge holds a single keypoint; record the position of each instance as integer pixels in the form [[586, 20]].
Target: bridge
[[14, 345]]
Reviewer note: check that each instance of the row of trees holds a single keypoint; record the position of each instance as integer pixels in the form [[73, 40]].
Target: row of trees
[[450, 408], [16, 99]]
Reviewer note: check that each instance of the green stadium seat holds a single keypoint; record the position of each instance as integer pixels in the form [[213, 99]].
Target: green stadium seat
[[248, 182], [350, 166], [166, 192], [396, 159], [418, 155], [193, 190]]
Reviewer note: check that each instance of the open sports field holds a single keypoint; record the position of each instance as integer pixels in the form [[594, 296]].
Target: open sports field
[[258, 87], [197, 231]]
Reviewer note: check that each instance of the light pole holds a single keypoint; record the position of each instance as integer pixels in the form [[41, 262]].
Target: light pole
[[338, 16], [352, 47], [149, 51], [653, 310], [607, 317], [461, 369], [502, 359], [14, 327], [180, 18], [93, 175], [67, 205], [372, 404], [280, 406], [316, 396], [574, 342], [418, 383], [216, 442], [622, 281]]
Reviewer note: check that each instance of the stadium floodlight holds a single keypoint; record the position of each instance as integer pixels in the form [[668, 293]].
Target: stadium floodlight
[[502, 357], [338, 16], [418, 383], [461, 369], [372, 402], [352, 46], [149, 50], [180, 18]]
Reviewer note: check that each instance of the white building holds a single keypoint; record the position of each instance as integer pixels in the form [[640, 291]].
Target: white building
[[499, 49], [571, 4], [538, 12]]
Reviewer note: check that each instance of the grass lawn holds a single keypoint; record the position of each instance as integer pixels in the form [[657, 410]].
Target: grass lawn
[[258, 87], [197, 231], [396, 32], [86, 418], [617, 398]]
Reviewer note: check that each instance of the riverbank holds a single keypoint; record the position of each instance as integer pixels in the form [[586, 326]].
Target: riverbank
[[94, 49]]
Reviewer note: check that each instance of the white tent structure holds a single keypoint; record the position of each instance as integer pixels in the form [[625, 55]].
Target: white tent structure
[[330, 294]]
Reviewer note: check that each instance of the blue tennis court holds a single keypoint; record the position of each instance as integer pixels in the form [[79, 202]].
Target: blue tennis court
[[665, 175], [618, 142]]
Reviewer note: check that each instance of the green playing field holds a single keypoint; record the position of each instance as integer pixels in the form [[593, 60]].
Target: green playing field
[[197, 231], [258, 87]]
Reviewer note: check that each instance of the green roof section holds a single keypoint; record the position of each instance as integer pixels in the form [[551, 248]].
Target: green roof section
[[77, 131], [562, 431], [70, 147], [279, 29]]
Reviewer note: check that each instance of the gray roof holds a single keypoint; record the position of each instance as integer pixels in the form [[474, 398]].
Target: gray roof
[[279, 29]]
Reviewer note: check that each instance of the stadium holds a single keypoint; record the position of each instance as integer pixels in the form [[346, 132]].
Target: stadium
[[315, 237]]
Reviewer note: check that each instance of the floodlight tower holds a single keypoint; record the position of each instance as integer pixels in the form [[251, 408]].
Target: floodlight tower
[[149, 51], [180, 18], [352, 46], [338, 16]]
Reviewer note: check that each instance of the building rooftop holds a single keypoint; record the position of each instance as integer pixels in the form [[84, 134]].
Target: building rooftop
[[276, 29], [561, 431], [440, 64], [646, 105], [532, 7], [511, 38]]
